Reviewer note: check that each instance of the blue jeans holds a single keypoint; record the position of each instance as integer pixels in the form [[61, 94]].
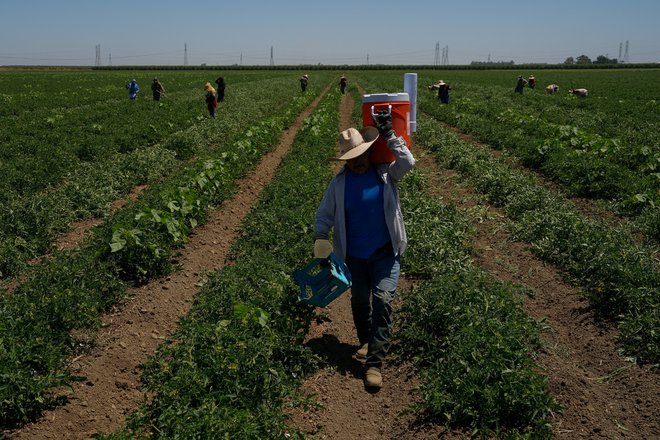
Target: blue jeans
[[374, 287]]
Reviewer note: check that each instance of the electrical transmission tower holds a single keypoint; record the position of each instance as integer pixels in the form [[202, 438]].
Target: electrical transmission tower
[[241, 62], [109, 59], [367, 59], [626, 57], [272, 61], [620, 49], [97, 62], [185, 54], [445, 56], [436, 61]]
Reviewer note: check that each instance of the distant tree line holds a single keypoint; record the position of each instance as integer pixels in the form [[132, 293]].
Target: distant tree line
[[583, 59]]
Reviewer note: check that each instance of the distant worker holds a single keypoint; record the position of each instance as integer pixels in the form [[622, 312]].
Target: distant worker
[[520, 84], [133, 90], [443, 92], [211, 99], [221, 88], [303, 82], [342, 84], [435, 86], [157, 89], [552, 89], [531, 81], [582, 93]]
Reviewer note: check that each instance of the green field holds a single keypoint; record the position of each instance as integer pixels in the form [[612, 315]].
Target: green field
[[72, 143]]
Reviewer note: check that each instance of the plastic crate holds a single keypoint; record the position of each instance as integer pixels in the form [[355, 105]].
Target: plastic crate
[[321, 281]]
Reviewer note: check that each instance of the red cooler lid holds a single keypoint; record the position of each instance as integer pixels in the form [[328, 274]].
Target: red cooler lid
[[386, 97]]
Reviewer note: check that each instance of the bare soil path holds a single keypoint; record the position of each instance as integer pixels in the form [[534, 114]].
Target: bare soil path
[[134, 330]]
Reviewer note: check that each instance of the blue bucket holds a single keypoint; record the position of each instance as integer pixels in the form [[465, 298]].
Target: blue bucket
[[321, 281]]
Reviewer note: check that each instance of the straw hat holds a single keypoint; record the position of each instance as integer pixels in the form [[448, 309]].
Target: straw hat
[[353, 143]]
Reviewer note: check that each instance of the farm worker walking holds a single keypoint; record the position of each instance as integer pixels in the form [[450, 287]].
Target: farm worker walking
[[531, 81], [157, 89], [552, 89], [133, 90], [520, 84], [443, 92], [582, 93], [342, 84], [211, 99], [220, 82], [303, 82], [361, 205]]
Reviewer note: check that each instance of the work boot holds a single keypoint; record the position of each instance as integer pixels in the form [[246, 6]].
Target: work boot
[[373, 378], [361, 353]]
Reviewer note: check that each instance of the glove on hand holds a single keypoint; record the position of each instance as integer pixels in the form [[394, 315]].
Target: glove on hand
[[322, 249], [384, 123]]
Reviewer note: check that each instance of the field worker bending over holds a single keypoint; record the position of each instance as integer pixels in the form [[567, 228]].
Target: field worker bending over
[[361, 206], [157, 89], [133, 90], [520, 84], [211, 99], [582, 93], [443, 92], [531, 81], [303, 82], [552, 89]]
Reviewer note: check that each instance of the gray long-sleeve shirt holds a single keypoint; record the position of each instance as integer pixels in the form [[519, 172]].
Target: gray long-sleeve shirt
[[331, 214]]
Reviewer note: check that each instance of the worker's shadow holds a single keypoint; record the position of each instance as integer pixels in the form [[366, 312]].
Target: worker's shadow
[[339, 355]]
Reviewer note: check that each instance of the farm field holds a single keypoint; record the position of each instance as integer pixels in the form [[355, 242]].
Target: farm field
[[479, 348]]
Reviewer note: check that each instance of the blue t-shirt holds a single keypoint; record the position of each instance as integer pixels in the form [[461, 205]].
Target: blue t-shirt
[[366, 229]]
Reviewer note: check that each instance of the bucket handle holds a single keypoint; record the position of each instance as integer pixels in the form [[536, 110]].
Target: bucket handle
[[373, 113]]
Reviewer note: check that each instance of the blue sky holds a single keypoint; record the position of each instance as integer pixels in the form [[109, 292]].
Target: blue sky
[[66, 32]]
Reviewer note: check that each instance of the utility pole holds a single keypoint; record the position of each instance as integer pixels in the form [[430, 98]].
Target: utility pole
[[620, 51], [272, 61], [185, 54], [367, 59], [109, 59], [241, 62]]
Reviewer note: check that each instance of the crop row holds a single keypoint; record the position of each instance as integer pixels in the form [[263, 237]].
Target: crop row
[[30, 220], [584, 163], [620, 277], [71, 289]]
